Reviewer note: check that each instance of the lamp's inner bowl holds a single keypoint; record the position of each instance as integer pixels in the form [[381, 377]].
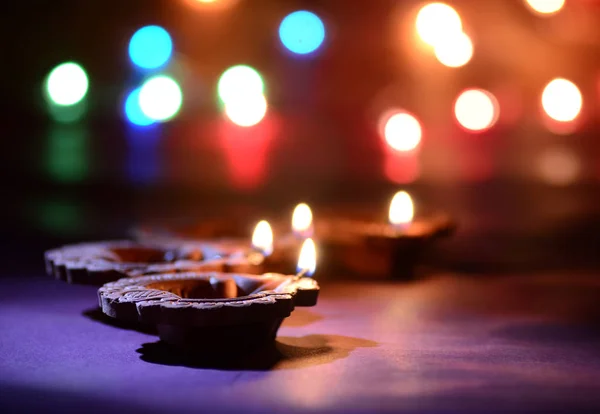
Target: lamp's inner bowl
[[227, 288], [142, 254]]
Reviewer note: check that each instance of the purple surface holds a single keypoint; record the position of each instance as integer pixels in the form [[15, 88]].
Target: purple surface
[[448, 344]]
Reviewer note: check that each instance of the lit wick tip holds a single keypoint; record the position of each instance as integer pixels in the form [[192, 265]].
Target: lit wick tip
[[402, 209], [262, 238], [307, 261], [302, 219]]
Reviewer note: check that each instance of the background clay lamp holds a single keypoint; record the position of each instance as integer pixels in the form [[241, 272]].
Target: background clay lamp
[[214, 311], [101, 262], [228, 238], [382, 249], [226, 256], [212, 228]]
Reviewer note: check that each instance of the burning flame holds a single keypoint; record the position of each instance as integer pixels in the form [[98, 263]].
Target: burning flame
[[401, 209], [262, 238], [302, 219], [307, 261]]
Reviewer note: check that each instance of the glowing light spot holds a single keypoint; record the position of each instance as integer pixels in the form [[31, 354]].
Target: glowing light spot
[[67, 84], [558, 167], [454, 51], [133, 111], [402, 209], [302, 220], [239, 82], [67, 114], [436, 21], [160, 98], [150, 47], [246, 111], [476, 110], [402, 131], [307, 260], [68, 153], [562, 100], [262, 238], [401, 167], [302, 32], [546, 7]]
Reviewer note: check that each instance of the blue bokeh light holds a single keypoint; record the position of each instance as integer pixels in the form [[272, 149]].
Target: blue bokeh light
[[302, 32], [150, 47], [133, 112]]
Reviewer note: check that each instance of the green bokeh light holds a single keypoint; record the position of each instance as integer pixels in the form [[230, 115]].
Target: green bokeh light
[[67, 114], [67, 84], [68, 153]]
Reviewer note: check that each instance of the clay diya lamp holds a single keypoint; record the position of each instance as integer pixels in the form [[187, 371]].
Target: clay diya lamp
[[393, 249], [212, 228], [251, 257], [100, 262], [225, 237], [214, 311]]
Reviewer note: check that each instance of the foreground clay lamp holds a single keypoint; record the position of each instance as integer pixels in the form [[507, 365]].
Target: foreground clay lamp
[[213, 310], [99, 262]]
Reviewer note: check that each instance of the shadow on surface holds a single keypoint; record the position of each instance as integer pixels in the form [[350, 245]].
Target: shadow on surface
[[97, 315], [286, 353]]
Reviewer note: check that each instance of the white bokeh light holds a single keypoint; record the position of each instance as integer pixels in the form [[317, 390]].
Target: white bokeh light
[[160, 98], [402, 131], [67, 84], [246, 111]]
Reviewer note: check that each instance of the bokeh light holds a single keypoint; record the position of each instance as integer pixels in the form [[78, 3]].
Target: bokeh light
[[454, 50], [67, 84], [150, 47], [436, 21], [211, 5], [133, 111], [562, 100], [246, 111], [160, 98], [402, 131], [68, 153], [546, 7], [558, 166], [67, 114], [302, 32], [240, 82], [247, 150], [476, 110]]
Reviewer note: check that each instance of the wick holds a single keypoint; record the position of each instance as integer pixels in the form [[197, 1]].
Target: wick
[[300, 274], [255, 256]]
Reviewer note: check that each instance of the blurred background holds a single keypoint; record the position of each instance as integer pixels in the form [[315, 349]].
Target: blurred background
[[125, 112]]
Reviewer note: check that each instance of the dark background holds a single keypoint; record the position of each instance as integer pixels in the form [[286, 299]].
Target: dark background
[[319, 142]]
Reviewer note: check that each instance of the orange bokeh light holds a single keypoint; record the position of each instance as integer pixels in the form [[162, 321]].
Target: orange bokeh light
[[558, 166], [562, 100], [401, 130], [435, 21], [454, 50], [476, 110], [545, 7], [401, 168]]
